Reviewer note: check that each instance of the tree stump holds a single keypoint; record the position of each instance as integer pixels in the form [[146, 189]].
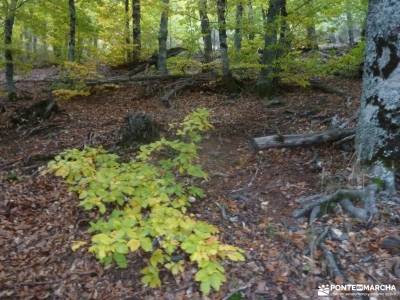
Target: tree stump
[[138, 129], [35, 113]]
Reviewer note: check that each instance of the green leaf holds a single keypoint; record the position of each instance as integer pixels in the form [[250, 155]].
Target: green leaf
[[120, 259], [146, 244], [121, 248]]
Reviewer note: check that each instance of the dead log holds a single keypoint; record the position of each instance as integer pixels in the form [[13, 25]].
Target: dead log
[[128, 79], [300, 140]]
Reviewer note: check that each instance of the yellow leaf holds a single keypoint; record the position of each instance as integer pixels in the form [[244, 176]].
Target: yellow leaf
[[133, 245], [77, 244]]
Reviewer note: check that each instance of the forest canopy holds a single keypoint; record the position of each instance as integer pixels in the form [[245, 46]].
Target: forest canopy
[[105, 28]]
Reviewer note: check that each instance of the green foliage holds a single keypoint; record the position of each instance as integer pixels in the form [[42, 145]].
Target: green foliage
[[184, 65], [143, 205], [296, 68], [72, 80], [348, 64]]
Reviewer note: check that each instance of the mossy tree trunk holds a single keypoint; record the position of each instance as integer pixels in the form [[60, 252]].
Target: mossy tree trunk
[[205, 30], [266, 82], [250, 21], [136, 30], [227, 78], [72, 30], [8, 52], [238, 27], [162, 39], [127, 33]]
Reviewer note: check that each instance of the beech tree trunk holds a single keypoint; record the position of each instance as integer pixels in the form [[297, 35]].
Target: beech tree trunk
[[205, 30], [350, 25], [238, 27], [265, 82], [136, 30], [127, 33], [8, 53], [72, 30], [221, 8], [162, 39], [378, 132], [251, 20], [312, 42]]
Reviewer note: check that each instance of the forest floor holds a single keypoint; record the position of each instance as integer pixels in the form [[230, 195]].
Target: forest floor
[[250, 197]]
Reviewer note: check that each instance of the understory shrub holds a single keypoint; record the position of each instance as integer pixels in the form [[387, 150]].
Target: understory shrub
[[72, 80], [142, 206]]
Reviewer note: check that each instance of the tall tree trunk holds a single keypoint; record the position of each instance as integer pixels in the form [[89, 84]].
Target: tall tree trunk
[[72, 30], [266, 82], [251, 19], [238, 27], [221, 7], [350, 24], [312, 42], [127, 33], [162, 39], [378, 132], [205, 30], [8, 53], [285, 38], [136, 30]]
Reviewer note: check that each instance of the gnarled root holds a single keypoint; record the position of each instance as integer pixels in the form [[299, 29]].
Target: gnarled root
[[345, 197]]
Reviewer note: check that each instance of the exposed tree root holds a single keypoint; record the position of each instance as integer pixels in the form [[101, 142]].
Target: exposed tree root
[[345, 198], [35, 113], [301, 140], [333, 267], [180, 86], [319, 85]]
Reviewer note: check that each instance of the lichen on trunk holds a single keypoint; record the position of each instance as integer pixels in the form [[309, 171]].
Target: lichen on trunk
[[378, 133]]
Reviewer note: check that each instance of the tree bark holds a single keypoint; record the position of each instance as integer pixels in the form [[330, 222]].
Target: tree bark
[[221, 8], [72, 30], [350, 24], [127, 33], [205, 30], [300, 140], [162, 39], [312, 42], [136, 30], [265, 82], [238, 27], [251, 20], [284, 39], [8, 53], [378, 133]]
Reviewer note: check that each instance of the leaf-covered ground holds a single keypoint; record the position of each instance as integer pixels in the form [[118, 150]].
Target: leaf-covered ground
[[250, 197]]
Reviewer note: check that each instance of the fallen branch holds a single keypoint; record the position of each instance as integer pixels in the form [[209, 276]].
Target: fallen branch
[[300, 140]]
